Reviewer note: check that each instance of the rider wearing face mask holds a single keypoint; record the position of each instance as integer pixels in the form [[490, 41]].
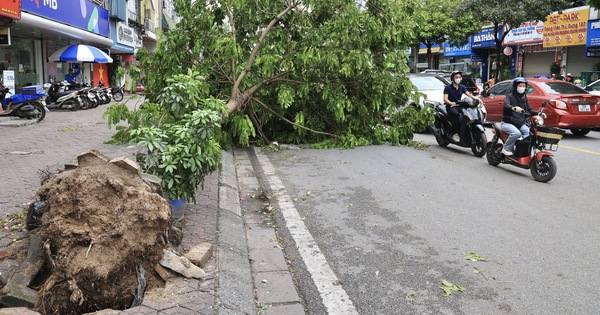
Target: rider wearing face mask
[[513, 120], [452, 94]]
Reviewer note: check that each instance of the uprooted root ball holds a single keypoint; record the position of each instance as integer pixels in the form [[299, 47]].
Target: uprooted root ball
[[102, 224]]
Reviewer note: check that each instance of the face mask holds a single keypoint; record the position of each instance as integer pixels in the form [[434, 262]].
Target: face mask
[[521, 89], [457, 80]]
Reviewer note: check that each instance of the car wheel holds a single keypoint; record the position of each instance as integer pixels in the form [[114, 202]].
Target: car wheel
[[580, 132]]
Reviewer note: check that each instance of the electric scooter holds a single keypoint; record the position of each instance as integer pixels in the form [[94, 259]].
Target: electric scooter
[[532, 152]]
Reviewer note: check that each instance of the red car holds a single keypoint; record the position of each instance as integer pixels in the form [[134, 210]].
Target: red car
[[569, 106]]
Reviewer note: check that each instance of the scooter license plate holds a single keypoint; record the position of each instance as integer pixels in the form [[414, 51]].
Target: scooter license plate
[[585, 108]]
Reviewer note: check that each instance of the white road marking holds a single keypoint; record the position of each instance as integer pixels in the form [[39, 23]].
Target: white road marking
[[335, 299]]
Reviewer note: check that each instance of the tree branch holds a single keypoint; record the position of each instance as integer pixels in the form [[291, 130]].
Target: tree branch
[[232, 25], [293, 123], [257, 47]]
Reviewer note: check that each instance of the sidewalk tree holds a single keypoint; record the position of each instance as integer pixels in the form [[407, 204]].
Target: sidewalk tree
[[501, 14], [441, 23], [292, 71], [295, 71]]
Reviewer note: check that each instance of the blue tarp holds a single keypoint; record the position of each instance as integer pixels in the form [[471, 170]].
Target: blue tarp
[[20, 98]]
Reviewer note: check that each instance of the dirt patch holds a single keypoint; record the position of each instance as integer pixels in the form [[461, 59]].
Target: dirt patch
[[103, 225]]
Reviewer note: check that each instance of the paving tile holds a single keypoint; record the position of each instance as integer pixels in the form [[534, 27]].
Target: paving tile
[[290, 309], [275, 287], [181, 285], [268, 259], [178, 311], [261, 238], [140, 310]]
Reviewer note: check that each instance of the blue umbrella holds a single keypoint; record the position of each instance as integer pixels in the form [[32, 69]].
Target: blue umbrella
[[81, 53]]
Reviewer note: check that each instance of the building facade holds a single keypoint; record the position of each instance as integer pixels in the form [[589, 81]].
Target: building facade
[[31, 30]]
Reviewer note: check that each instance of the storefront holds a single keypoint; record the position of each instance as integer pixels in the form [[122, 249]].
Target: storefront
[[436, 52], [459, 58], [46, 27], [532, 59], [483, 48], [568, 30]]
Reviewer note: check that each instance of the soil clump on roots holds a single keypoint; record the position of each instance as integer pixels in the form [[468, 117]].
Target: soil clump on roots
[[103, 227]]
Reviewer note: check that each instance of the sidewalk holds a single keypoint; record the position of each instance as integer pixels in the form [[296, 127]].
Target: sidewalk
[[249, 272]]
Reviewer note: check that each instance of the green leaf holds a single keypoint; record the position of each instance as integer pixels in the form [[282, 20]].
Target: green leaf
[[450, 287], [473, 256]]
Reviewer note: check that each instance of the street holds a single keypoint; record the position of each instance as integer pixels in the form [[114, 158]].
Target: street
[[393, 222]]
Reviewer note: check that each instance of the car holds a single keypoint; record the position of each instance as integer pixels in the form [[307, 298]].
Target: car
[[593, 87], [568, 106], [469, 83], [431, 85], [139, 88]]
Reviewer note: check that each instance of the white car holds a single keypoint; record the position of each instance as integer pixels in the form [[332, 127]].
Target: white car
[[593, 87], [433, 88], [429, 84]]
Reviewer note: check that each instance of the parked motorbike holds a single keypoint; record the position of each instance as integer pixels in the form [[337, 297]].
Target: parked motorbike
[[22, 105], [532, 152], [60, 97], [472, 134], [117, 93]]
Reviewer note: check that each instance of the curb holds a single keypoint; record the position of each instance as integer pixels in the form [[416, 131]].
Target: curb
[[235, 292]]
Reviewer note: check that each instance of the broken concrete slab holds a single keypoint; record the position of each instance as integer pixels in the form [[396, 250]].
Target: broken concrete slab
[[87, 156], [127, 164], [181, 265], [200, 254], [17, 293]]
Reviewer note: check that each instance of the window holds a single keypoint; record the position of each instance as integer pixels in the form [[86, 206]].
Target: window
[[561, 88], [499, 89]]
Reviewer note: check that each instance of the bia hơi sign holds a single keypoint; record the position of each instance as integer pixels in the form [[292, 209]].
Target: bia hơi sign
[[11, 9], [566, 29]]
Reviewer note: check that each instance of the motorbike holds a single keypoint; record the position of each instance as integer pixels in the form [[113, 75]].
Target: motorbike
[[117, 93], [29, 106], [59, 96], [472, 133], [531, 152]]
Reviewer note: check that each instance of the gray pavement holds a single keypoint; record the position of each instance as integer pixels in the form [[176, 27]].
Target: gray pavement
[[248, 268]]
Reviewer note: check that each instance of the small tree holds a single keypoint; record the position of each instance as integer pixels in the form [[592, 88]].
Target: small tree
[[440, 24], [509, 16], [294, 71]]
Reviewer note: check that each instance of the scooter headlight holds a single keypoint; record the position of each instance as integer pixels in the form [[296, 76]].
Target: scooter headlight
[[539, 120]]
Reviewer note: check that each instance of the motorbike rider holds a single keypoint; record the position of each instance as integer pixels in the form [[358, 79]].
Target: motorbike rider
[[452, 94], [513, 120], [71, 77]]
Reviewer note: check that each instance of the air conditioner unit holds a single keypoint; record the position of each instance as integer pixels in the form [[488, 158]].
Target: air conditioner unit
[[98, 2]]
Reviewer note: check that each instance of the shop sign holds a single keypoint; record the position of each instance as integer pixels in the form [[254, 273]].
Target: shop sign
[[508, 51], [529, 32], [592, 48], [566, 29], [4, 36], [11, 9], [127, 36], [485, 38], [435, 48], [8, 77], [452, 50], [81, 14]]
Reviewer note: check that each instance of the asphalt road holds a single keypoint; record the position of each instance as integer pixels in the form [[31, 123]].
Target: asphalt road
[[393, 222]]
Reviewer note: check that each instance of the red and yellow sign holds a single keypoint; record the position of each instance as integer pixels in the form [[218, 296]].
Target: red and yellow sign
[[566, 29], [11, 9]]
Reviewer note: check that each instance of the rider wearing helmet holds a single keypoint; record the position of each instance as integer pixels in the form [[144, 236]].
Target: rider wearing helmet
[[513, 120], [452, 94]]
